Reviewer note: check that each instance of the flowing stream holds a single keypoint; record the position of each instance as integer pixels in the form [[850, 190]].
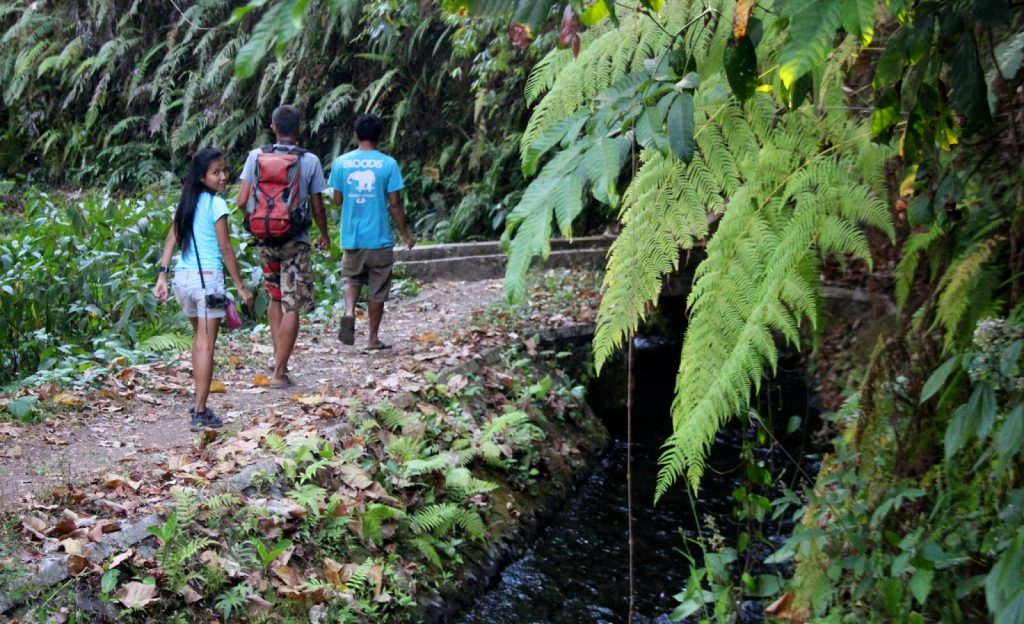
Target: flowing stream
[[578, 569]]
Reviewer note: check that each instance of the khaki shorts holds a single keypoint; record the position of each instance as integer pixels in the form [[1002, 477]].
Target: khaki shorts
[[288, 275], [188, 290], [371, 267]]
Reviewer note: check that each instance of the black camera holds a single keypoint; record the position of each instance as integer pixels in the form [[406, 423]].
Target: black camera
[[216, 301]]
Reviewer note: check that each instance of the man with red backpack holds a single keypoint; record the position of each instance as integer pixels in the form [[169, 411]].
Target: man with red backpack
[[280, 192]]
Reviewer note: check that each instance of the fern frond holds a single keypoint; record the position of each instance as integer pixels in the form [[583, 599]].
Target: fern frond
[[425, 544], [916, 244], [963, 289], [167, 342], [375, 517]]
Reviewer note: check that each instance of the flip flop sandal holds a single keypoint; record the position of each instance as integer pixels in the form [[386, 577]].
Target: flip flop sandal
[[380, 347], [347, 330]]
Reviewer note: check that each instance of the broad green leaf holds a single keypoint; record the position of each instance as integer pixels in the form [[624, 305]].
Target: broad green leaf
[[594, 14], [649, 132], [741, 67], [1011, 433], [858, 19], [532, 13], [812, 28], [298, 13], [681, 127], [1004, 584], [992, 12], [970, 93], [654, 5], [108, 582], [921, 584], [22, 408], [689, 82], [938, 378], [1010, 55]]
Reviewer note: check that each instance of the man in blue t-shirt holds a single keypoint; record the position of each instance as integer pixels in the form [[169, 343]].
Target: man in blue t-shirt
[[366, 184]]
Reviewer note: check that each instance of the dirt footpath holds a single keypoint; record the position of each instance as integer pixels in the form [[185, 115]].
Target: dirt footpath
[[140, 416]]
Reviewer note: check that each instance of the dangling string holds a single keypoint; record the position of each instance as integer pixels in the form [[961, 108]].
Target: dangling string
[[629, 348]]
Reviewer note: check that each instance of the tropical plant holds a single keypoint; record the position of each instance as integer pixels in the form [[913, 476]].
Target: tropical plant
[[110, 94], [786, 190]]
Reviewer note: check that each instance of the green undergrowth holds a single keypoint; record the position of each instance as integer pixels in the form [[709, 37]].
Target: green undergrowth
[[372, 521], [76, 279]]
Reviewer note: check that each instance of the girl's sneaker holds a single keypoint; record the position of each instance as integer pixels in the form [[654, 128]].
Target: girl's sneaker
[[205, 420]]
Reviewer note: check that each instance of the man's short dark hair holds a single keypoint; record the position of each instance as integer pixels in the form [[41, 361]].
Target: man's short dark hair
[[287, 119], [369, 127]]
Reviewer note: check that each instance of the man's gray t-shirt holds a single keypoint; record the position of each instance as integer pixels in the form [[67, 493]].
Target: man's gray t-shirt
[[311, 177]]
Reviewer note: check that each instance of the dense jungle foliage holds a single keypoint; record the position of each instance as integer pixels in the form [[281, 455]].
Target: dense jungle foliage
[[775, 135], [118, 94]]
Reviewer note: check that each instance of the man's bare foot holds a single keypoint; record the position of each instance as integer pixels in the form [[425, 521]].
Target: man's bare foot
[[283, 381]]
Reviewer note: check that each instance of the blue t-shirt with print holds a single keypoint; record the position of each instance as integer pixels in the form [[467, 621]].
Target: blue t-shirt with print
[[364, 178], [209, 208]]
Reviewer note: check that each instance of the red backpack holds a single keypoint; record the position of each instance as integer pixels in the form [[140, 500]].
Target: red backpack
[[273, 212]]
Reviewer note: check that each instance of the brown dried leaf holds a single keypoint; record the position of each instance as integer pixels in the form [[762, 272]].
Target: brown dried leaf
[[261, 381], [740, 17], [67, 523], [135, 595], [114, 481], [72, 546], [218, 387], [457, 382], [332, 572], [77, 564], [189, 595], [355, 477], [12, 452], [288, 576], [782, 609], [35, 527], [119, 559]]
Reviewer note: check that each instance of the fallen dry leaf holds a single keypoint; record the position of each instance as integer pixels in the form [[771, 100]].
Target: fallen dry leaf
[[135, 595], [261, 381], [218, 387], [35, 527], [77, 564], [72, 546], [457, 382], [114, 481], [9, 430], [66, 398], [782, 609], [119, 559], [189, 595], [12, 452], [428, 338]]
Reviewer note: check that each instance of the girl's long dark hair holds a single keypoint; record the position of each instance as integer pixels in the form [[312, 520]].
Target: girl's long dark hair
[[190, 193]]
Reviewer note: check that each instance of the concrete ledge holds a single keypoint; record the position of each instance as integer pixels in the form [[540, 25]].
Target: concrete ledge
[[492, 266]]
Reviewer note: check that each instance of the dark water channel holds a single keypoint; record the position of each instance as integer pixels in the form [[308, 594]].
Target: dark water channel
[[577, 570]]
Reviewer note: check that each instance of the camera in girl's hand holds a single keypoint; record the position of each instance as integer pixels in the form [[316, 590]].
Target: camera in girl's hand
[[216, 301]]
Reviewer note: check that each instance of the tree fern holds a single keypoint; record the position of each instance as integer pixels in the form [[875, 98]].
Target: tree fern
[[790, 189]]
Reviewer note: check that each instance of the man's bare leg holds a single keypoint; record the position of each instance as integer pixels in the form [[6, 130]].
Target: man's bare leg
[[376, 312], [287, 332]]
